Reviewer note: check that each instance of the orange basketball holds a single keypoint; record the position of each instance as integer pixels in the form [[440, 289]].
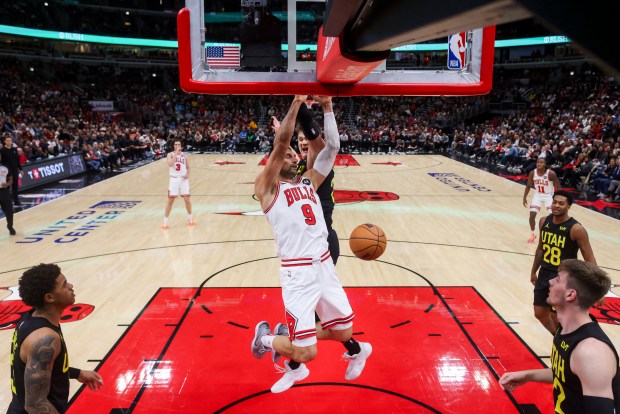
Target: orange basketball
[[367, 241]]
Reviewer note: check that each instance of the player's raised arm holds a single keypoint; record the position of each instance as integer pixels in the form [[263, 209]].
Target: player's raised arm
[[326, 158], [264, 186], [316, 145]]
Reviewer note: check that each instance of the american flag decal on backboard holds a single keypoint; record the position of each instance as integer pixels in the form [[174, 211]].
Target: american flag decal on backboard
[[223, 56]]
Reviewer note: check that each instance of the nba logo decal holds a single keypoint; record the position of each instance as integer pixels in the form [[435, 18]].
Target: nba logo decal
[[456, 51]]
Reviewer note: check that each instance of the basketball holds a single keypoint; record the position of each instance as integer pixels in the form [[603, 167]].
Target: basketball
[[367, 241]]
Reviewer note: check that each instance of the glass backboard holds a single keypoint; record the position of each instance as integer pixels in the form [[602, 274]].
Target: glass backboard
[[275, 47]]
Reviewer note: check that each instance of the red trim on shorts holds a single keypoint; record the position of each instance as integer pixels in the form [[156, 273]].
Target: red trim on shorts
[[305, 334], [339, 321], [294, 260], [274, 198], [296, 264], [304, 261], [326, 256]]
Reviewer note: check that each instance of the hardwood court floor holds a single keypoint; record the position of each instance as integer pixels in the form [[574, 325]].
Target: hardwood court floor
[[451, 225]]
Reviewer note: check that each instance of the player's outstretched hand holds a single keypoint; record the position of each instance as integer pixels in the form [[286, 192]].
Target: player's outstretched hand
[[275, 124], [323, 99], [301, 98], [511, 380], [91, 379]]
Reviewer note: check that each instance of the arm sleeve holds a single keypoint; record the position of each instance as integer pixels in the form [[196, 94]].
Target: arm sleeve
[[325, 160]]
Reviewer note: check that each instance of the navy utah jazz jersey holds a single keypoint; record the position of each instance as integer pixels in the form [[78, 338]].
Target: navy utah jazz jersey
[[567, 391], [556, 243], [59, 386]]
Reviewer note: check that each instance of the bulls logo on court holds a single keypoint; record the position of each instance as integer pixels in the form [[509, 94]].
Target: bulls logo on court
[[12, 308], [609, 311]]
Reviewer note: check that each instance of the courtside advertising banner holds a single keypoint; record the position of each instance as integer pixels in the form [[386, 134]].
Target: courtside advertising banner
[[53, 169]]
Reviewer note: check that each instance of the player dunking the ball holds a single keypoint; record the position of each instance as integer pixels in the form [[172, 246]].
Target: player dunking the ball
[[309, 146], [307, 273], [310, 142], [179, 182]]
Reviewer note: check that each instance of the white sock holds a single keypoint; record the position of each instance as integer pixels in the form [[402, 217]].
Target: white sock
[[267, 340], [189, 217], [165, 221]]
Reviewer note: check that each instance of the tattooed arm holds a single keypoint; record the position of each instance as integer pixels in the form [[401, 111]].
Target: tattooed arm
[[40, 349]]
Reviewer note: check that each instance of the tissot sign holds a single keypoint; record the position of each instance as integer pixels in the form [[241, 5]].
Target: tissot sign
[[54, 169]]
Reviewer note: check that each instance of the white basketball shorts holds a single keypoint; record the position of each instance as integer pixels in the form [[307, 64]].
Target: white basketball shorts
[[539, 199], [309, 285], [178, 187]]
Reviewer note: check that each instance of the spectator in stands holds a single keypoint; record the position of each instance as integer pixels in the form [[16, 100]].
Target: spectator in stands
[[22, 158], [510, 155], [90, 158], [602, 179], [613, 191], [265, 146]]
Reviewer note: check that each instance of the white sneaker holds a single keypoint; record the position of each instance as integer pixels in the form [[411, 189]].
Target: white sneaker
[[290, 377], [281, 330], [357, 361], [258, 349]]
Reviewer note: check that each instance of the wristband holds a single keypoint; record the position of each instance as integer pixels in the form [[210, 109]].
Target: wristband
[[74, 373], [307, 123]]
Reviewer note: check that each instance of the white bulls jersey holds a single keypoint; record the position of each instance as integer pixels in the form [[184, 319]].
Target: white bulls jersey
[[542, 183], [179, 168], [297, 220]]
